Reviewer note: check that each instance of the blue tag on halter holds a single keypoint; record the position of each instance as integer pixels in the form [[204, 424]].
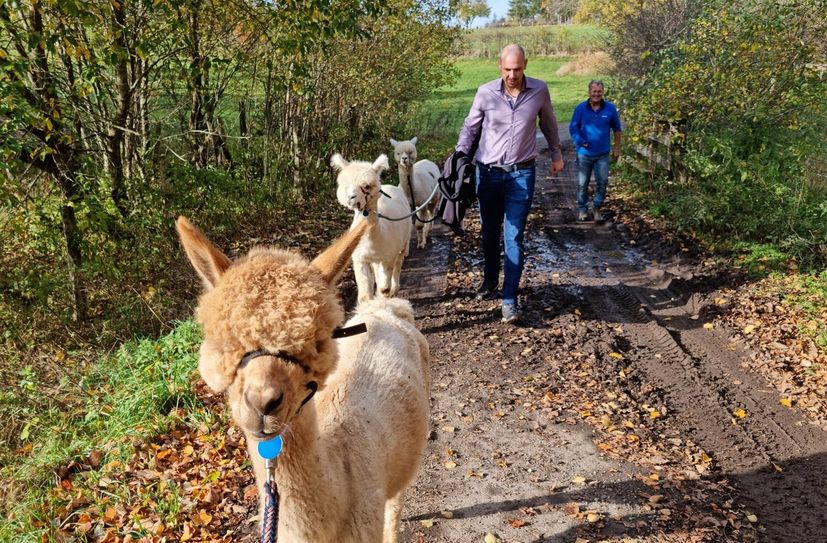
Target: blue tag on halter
[[271, 448]]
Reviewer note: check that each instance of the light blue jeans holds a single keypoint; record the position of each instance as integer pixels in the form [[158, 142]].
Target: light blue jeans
[[585, 166], [504, 196]]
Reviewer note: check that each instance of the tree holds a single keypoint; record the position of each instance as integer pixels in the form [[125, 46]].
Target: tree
[[742, 99], [640, 29], [524, 11], [559, 11], [468, 10]]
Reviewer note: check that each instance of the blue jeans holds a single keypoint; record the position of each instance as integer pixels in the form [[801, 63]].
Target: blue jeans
[[585, 166], [504, 195]]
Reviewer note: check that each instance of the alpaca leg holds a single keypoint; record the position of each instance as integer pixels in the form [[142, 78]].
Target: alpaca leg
[[420, 234], [393, 512], [426, 229], [363, 273], [384, 280], [395, 273]]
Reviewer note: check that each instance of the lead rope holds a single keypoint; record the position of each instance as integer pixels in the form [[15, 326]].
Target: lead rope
[[270, 523], [411, 214], [269, 450]]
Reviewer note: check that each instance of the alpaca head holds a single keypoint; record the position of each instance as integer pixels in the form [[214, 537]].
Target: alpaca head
[[358, 182], [404, 152], [270, 300]]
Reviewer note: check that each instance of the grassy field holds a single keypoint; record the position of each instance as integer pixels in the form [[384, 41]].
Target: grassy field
[[441, 117], [540, 40]]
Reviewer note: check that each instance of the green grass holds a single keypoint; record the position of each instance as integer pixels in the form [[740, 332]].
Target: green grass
[[136, 393], [440, 118], [538, 41]]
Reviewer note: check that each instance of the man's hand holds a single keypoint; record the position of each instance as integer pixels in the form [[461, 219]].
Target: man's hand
[[616, 155], [556, 166]]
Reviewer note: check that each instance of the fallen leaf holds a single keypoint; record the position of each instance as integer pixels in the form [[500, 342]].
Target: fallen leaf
[[616, 356], [740, 413], [447, 514], [752, 518], [709, 325], [592, 517], [786, 402], [427, 523], [578, 480], [748, 329], [491, 538], [450, 464]]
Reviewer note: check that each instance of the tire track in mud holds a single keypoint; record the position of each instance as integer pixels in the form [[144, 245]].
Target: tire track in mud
[[772, 454], [604, 292]]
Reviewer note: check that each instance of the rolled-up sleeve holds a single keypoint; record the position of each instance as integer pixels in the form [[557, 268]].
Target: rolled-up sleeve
[[548, 126]]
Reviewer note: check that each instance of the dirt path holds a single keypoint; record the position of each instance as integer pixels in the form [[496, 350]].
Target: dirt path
[[614, 412]]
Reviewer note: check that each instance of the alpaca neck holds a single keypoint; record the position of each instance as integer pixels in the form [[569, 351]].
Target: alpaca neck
[[405, 173], [306, 477]]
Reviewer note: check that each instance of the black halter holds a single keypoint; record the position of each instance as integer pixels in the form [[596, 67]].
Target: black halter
[[312, 386]]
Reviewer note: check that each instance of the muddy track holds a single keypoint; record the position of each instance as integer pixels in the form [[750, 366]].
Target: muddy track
[[637, 313]]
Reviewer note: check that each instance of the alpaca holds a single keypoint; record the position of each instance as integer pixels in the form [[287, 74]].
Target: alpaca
[[351, 452], [418, 180], [377, 261]]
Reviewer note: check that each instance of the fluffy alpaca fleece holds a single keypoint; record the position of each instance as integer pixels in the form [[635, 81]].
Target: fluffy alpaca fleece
[[377, 261], [417, 180], [349, 453]]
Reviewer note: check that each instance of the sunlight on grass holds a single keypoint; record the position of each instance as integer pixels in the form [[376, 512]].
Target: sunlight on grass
[[133, 394], [439, 119]]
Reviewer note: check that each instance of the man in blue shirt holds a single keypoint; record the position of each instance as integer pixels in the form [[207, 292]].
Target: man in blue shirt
[[590, 128]]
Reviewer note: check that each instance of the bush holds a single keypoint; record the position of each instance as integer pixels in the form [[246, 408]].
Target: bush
[[742, 99]]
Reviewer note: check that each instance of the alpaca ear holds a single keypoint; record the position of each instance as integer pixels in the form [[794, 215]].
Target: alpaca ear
[[413, 140], [338, 162], [206, 258], [333, 261], [380, 163], [394, 142]]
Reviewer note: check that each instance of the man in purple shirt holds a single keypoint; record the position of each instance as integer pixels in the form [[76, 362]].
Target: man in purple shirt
[[503, 120]]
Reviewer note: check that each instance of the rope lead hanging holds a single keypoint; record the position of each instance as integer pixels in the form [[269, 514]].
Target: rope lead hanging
[[270, 522]]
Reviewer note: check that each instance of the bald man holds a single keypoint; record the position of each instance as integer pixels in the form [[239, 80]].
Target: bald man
[[503, 122]]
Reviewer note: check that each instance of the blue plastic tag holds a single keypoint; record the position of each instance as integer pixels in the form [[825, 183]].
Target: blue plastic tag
[[271, 448]]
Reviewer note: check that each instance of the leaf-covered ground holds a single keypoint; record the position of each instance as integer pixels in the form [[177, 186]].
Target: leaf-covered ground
[[652, 394]]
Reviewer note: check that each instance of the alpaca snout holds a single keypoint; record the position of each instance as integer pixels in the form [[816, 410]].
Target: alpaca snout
[[264, 404]]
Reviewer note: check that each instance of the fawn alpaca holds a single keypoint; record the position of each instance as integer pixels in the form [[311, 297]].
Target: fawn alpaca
[[352, 450]]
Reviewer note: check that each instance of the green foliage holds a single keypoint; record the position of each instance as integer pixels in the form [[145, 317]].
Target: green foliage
[[468, 10], [742, 101], [538, 40], [135, 393]]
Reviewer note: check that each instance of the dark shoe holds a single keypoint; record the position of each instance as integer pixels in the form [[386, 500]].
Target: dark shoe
[[511, 313], [598, 216], [487, 292]]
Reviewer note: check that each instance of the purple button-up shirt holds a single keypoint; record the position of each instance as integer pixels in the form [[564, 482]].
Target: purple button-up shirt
[[508, 129]]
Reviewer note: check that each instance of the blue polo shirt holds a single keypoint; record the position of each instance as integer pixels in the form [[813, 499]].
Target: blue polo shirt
[[594, 128]]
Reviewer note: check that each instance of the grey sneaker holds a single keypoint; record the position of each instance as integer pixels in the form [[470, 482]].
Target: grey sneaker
[[582, 216], [511, 313], [598, 216]]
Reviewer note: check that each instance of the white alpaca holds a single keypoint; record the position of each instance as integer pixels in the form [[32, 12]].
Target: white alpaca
[[352, 450], [418, 180], [377, 261]]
